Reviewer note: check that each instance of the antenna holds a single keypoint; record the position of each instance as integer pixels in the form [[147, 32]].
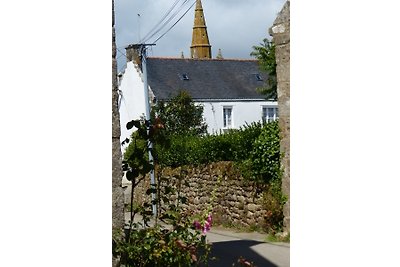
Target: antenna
[[138, 27]]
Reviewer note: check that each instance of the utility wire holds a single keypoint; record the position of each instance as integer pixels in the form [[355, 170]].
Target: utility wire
[[162, 19], [121, 52], [175, 23], [145, 39], [168, 20]]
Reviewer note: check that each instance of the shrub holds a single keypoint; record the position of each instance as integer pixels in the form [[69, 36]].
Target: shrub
[[273, 201], [263, 164], [180, 115], [235, 145], [179, 242]]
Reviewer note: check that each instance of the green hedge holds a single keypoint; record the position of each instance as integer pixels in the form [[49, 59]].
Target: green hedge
[[263, 162], [254, 147], [235, 145]]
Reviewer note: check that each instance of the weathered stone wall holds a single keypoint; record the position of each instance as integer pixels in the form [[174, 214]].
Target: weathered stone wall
[[236, 202], [117, 192], [281, 37]]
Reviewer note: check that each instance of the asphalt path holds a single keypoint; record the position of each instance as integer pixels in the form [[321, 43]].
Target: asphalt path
[[228, 246]]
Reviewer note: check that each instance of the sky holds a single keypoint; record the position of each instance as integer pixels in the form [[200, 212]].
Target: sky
[[234, 26]]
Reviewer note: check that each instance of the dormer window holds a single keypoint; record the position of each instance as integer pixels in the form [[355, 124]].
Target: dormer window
[[184, 77], [258, 77]]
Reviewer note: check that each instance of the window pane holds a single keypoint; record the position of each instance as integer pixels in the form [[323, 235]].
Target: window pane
[[227, 117], [264, 113]]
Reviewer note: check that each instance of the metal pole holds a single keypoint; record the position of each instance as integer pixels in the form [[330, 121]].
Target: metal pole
[[147, 103]]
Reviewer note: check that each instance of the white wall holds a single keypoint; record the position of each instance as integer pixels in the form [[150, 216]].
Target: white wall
[[242, 112], [132, 104]]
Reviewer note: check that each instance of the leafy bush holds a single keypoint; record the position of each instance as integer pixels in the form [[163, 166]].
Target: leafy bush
[[180, 115], [273, 201], [263, 163], [235, 145], [176, 243]]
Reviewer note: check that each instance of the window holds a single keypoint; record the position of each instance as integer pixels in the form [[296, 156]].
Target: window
[[227, 117], [269, 114]]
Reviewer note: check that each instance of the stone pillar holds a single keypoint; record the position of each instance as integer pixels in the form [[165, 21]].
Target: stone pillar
[[117, 192], [280, 31]]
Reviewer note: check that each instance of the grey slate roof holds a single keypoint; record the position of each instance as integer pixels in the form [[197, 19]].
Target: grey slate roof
[[216, 79]]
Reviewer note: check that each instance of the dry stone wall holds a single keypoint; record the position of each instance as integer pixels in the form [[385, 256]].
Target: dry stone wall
[[236, 202]]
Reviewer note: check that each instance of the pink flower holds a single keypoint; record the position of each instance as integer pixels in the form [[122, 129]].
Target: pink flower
[[209, 219], [197, 225], [206, 226]]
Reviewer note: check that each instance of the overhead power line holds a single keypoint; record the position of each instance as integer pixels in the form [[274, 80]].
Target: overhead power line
[[161, 20], [161, 24], [171, 17], [175, 22], [167, 21]]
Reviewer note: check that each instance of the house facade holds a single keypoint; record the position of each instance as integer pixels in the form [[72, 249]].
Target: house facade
[[226, 88]]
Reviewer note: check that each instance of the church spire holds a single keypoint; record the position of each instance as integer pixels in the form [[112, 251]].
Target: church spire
[[200, 47]]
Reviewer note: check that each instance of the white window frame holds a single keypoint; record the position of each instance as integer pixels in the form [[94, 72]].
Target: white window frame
[[226, 118], [265, 113]]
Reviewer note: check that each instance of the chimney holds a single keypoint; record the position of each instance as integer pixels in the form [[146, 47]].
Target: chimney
[[133, 54]]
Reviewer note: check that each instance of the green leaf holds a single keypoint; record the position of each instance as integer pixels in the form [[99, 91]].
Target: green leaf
[[134, 123], [126, 141], [132, 174]]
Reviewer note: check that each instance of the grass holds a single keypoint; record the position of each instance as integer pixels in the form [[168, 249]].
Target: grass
[[278, 237]]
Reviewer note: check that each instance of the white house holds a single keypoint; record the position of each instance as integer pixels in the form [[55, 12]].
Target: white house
[[225, 87]]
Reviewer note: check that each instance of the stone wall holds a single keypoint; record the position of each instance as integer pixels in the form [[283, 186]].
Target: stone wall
[[236, 202], [117, 192], [280, 31]]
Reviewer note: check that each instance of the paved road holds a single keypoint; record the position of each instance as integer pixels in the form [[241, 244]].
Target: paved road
[[229, 245]]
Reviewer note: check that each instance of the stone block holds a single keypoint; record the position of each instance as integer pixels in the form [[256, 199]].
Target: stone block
[[204, 200], [250, 221], [252, 207]]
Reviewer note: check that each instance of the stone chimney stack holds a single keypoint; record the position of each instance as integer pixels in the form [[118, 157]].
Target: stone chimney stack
[[133, 54]]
